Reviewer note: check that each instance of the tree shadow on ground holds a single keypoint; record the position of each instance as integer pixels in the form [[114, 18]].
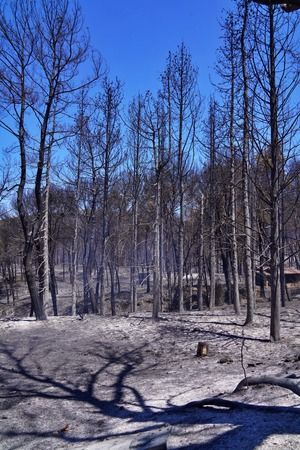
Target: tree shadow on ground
[[23, 377], [294, 321], [211, 334]]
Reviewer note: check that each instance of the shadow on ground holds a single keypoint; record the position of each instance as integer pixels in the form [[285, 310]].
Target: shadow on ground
[[110, 391]]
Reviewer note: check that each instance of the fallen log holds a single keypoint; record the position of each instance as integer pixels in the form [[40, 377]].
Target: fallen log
[[232, 404], [286, 383]]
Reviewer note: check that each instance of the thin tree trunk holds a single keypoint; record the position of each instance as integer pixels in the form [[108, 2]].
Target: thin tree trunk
[[181, 254], [12, 282], [84, 274], [74, 267], [227, 273], [234, 246], [246, 137], [161, 257], [275, 156], [148, 287], [63, 265], [53, 285], [134, 260], [283, 286], [200, 256], [212, 295], [5, 283], [44, 285], [118, 280], [157, 260], [262, 280], [112, 289]]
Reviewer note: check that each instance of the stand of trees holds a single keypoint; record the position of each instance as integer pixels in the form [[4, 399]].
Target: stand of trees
[[163, 190]]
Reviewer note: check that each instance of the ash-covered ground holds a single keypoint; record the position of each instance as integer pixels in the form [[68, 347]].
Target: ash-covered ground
[[105, 383]]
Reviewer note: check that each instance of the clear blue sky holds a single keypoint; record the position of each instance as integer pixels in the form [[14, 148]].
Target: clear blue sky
[[135, 36]]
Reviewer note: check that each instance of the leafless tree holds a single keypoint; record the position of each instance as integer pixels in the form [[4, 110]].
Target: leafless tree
[[136, 150], [155, 132], [108, 141], [275, 67], [227, 69], [182, 106], [43, 47], [245, 156]]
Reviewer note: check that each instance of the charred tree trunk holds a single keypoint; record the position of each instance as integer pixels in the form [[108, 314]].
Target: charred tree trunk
[[112, 288], [234, 246], [246, 203], [134, 260], [52, 279], [200, 256], [36, 306], [275, 189], [212, 206], [157, 259], [148, 284]]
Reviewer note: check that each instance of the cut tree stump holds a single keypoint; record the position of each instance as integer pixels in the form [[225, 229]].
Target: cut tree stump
[[202, 349]]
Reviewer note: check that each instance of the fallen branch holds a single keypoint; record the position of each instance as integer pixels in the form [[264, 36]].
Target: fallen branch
[[215, 401], [286, 383], [232, 404]]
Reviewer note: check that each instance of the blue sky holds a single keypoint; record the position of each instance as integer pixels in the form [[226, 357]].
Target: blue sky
[[135, 36]]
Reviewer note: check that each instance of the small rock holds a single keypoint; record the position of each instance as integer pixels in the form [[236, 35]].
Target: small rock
[[225, 360]]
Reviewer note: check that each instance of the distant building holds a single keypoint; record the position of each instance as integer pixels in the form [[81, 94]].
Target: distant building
[[291, 274]]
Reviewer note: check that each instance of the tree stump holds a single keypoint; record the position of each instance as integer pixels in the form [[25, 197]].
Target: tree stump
[[202, 349]]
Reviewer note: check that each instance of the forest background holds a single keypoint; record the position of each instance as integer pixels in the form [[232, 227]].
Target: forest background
[[132, 190]]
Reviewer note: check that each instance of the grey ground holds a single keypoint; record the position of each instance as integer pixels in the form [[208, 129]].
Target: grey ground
[[105, 383]]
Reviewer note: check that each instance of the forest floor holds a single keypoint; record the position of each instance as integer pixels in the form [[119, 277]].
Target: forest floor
[[107, 383]]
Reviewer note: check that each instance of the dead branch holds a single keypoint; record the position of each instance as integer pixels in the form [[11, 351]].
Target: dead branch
[[286, 383], [232, 404]]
